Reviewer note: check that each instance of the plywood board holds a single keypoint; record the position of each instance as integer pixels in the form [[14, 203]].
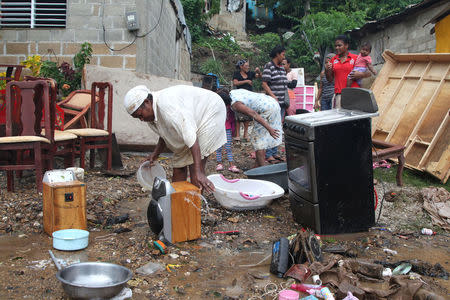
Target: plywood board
[[413, 95], [438, 162], [436, 114], [413, 111], [398, 104]]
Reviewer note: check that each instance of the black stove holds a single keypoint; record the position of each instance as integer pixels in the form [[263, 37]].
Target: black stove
[[329, 159]]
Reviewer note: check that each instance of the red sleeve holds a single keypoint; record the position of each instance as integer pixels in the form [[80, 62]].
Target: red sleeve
[[333, 59]]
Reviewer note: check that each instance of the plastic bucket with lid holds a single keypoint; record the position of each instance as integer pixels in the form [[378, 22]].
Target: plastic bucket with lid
[[146, 174]]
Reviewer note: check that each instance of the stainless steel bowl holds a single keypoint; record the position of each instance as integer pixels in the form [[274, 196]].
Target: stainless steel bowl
[[93, 280]]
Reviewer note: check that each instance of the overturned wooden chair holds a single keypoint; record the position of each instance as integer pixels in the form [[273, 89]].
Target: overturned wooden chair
[[76, 108]]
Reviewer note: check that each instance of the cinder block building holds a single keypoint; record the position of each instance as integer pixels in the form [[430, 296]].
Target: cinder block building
[[408, 31], [56, 29]]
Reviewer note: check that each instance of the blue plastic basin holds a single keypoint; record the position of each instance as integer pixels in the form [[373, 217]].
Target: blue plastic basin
[[70, 239], [274, 173]]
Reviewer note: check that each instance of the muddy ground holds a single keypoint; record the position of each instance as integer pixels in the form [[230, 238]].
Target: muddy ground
[[212, 267]]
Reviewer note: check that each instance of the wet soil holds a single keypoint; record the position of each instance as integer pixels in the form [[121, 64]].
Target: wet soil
[[213, 267]]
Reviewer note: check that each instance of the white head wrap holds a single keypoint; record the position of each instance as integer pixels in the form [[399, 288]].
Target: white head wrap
[[135, 97]]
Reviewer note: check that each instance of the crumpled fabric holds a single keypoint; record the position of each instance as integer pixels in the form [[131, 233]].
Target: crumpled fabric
[[436, 201]]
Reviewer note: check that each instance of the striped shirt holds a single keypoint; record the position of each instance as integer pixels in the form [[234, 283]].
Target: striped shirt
[[327, 88], [275, 76]]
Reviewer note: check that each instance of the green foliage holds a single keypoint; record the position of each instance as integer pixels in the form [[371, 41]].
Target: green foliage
[[50, 69], [215, 8], [264, 43], [83, 56], [322, 27], [33, 63], [212, 66], [195, 19], [224, 43], [410, 177], [299, 52], [373, 9], [68, 79]]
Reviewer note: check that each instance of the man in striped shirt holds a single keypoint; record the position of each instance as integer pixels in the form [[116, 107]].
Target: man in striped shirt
[[274, 83]]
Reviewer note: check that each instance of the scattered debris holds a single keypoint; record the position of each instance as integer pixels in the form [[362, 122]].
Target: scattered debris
[[149, 268], [436, 201], [390, 251]]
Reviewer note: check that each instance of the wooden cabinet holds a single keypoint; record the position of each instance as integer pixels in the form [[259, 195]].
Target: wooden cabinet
[[64, 206]]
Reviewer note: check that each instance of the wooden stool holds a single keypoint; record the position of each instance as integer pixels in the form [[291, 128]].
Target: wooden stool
[[388, 150]]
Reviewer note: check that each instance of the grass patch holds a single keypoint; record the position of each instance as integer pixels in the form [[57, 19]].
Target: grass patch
[[410, 177], [416, 224], [329, 240]]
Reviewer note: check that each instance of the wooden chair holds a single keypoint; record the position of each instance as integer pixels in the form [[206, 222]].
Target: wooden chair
[[384, 150], [76, 107], [12, 72], [30, 97], [95, 136], [63, 144]]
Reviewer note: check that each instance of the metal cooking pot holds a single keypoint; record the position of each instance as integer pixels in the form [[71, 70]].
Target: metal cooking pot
[[92, 280]]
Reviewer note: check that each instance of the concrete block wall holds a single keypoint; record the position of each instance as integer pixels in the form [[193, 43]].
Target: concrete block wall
[[85, 22], [408, 36], [129, 131], [233, 22]]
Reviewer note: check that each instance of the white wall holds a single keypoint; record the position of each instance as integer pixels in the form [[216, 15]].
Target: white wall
[[128, 130]]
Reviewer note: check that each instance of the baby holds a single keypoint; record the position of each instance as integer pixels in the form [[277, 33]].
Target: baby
[[362, 63]]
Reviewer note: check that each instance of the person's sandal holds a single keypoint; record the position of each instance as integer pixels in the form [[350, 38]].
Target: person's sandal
[[279, 158], [234, 169], [219, 167]]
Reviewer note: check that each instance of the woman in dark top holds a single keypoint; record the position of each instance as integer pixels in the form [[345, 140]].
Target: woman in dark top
[[243, 79]]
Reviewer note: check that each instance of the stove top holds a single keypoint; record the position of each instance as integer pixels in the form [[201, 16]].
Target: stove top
[[357, 104], [328, 117], [302, 126]]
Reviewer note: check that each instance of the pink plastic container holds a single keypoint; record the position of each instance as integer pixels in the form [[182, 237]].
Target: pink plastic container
[[288, 295]]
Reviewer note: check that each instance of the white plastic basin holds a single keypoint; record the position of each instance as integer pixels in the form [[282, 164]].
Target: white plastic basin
[[146, 174], [244, 194]]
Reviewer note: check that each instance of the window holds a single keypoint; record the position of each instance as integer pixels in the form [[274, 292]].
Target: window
[[32, 13]]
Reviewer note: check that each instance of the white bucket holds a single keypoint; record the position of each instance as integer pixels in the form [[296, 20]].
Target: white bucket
[[79, 172], [146, 174]]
